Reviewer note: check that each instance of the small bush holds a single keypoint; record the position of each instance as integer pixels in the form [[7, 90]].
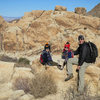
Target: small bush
[[22, 84], [71, 94], [42, 85], [7, 58], [24, 61]]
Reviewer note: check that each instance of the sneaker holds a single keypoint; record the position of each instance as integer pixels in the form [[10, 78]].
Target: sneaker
[[70, 76]]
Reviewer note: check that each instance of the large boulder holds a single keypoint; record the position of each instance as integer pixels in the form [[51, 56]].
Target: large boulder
[[80, 10], [6, 94], [60, 8], [15, 39], [35, 14], [6, 71]]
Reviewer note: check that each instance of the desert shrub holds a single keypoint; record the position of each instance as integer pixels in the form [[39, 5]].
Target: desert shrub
[[7, 58], [24, 61], [21, 83], [71, 94], [42, 85]]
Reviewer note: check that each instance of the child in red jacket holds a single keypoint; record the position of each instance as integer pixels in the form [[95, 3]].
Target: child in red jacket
[[67, 53]]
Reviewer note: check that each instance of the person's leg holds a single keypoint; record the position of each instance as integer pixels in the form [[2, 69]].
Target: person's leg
[[81, 77], [69, 68], [64, 63], [52, 63], [70, 62]]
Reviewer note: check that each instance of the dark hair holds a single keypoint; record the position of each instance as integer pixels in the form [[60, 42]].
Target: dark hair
[[80, 37], [67, 42]]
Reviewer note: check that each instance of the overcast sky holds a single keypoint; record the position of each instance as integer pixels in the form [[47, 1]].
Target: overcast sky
[[16, 8]]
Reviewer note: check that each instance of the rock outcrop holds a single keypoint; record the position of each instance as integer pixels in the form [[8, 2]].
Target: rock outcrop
[[3, 24], [60, 8], [36, 28], [95, 11], [80, 10]]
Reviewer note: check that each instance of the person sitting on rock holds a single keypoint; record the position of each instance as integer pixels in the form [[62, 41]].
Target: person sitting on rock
[[66, 54], [46, 58]]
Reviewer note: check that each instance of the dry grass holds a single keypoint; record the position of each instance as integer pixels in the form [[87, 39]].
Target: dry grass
[[7, 58], [24, 61], [22, 84], [71, 94], [42, 85]]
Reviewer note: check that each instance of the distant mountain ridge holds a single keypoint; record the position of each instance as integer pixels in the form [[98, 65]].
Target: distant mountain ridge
[[8, 19], [95, 11]]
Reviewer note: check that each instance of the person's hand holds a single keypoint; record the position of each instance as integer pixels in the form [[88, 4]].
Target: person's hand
[[78, 68]]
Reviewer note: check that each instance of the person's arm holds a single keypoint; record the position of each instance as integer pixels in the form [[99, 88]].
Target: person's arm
[[82, 56], [76, 52]]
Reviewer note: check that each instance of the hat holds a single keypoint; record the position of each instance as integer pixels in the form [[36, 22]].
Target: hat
[[47, 43], [67, 45], [80, 37]]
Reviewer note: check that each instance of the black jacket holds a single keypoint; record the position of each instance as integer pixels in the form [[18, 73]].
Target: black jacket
[[84, 54], [46, 56]]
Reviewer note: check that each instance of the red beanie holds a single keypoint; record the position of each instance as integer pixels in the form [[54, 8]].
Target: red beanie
[[67, 45]]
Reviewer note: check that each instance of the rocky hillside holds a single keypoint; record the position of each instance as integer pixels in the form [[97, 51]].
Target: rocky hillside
[[36, 28], [26, 38], [37, 83], [95, 11]]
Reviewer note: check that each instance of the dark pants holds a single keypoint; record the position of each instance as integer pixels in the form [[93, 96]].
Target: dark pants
[[52, 63]]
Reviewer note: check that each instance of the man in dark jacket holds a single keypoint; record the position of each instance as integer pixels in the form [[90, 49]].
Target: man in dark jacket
[[83, 62]]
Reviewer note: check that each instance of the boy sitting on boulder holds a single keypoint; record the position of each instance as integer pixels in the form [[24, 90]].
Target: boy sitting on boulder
[[46, 59]]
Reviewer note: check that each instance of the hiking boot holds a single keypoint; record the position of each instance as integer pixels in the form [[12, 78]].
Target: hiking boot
[[70, 76], [59, 67]]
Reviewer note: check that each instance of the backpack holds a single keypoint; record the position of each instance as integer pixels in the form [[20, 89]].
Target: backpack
[[41, 59], [93, 51]]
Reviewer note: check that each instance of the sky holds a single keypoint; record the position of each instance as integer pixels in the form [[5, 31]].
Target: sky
[[17, 8]]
